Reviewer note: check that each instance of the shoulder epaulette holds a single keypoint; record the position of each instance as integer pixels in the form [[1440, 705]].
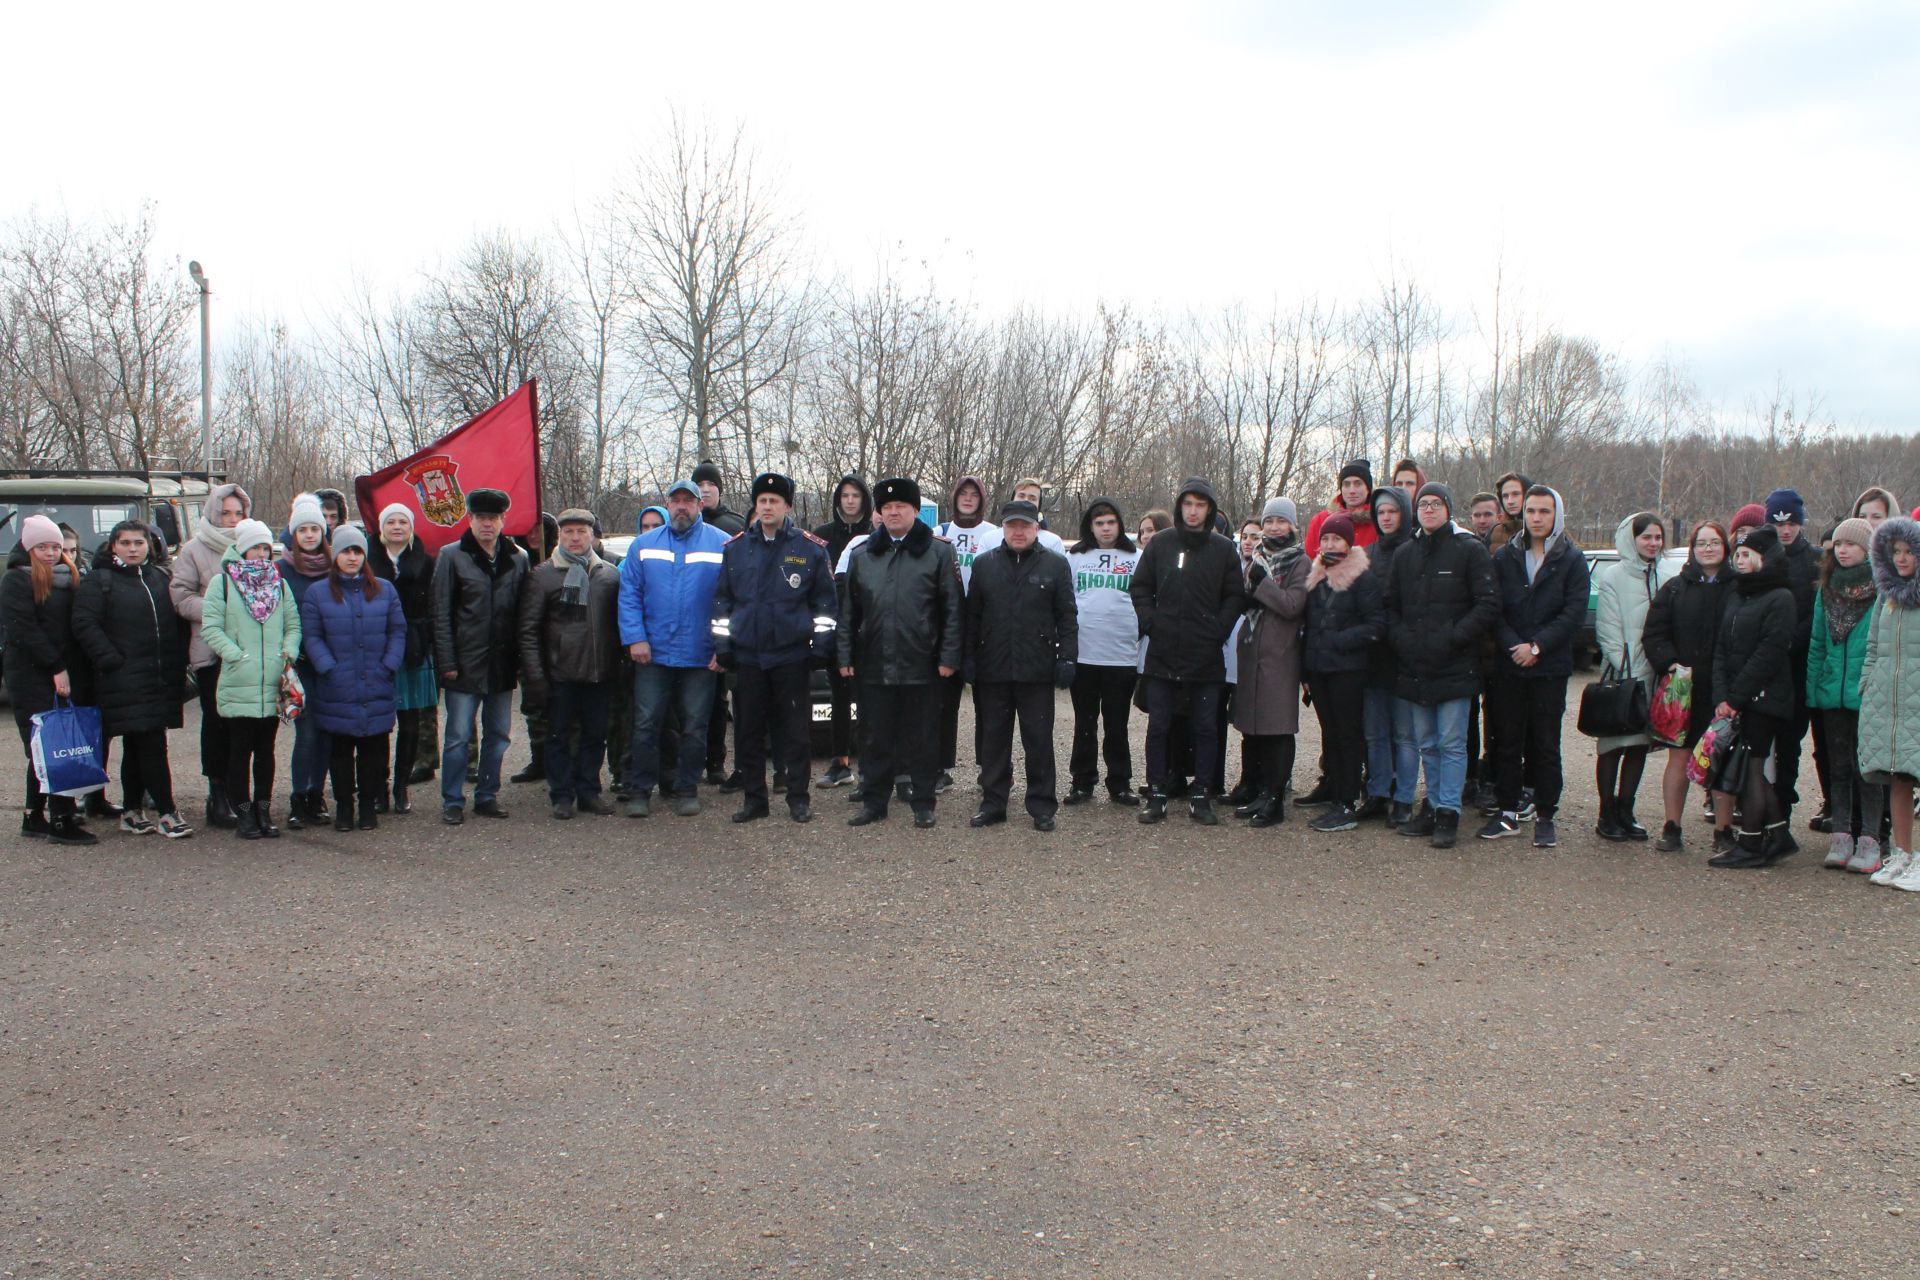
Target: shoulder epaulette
[[813, 537], [735, 538]]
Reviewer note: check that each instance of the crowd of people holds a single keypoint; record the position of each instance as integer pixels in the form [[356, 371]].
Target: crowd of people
[[1435, 644]]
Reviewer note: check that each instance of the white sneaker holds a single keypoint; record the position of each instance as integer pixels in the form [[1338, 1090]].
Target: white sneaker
[[135, 822], [1866, 856], [174, 827], [1910, 878], [1896, 865], [1839, 851]]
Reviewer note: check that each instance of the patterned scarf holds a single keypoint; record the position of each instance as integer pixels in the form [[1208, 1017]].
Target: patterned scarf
[[1848, 596], [258, 582]]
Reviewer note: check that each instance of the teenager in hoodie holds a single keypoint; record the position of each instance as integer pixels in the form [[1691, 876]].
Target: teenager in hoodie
[[972, 536], [1187, 593], [1889, 746], [1354, 499], [1623, 592], [1542, 580], [1875, 505], [1753, 679], [1388, 718], [196, 568], [1103, 564], [1788, 515], [1834, 659]]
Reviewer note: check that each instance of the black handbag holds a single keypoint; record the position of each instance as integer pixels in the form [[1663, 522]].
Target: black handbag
[[1729, 772], [1615, 706]]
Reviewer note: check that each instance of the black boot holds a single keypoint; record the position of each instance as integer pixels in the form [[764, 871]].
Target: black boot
[[317, 807], [263, 810], [65, 828], [33, 823], [536, 770], [1155, 809], [1779, 843], [220, 812], [1322, 793], [401, 804], [247, 822], [369, 812], [297, 811], [1271, 814], [98, 806], [1249, 807], [1446, 828], [1609, 828], [342, 810], [1746, 854], [1623, 814]]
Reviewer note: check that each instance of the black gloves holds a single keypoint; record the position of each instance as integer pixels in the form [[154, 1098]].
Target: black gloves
[[1256, 574], [1062, 675]]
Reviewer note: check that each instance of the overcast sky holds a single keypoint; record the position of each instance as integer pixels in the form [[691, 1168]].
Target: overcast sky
[[1733, 182]]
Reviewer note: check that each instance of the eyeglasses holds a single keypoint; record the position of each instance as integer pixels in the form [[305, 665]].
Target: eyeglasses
[[1431, 504], [1709, 544]]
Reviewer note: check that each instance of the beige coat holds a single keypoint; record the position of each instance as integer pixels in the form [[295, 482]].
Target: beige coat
[[1267, 699]]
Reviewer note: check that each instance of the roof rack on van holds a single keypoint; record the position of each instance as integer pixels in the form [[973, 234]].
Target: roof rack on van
[[38, 471]]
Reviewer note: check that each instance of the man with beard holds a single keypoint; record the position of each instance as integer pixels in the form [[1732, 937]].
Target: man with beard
[[1187, 592], [899, 632], [852, 518], [666, 621]]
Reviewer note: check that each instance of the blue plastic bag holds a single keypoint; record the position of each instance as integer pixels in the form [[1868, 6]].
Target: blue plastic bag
[[67, 748]]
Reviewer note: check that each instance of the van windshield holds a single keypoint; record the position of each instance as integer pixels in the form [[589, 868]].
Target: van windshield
[[91, 518]]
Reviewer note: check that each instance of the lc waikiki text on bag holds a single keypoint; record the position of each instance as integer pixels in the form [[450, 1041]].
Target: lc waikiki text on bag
[[66, 750]]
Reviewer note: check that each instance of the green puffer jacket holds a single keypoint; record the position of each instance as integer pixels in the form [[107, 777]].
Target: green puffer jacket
[[1833, 666], [252, 654], [1889, 740]]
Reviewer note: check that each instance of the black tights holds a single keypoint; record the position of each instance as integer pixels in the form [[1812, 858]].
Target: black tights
[[406, 746], [1270, 761], [358, 765], [1617, 773], [250, 757]]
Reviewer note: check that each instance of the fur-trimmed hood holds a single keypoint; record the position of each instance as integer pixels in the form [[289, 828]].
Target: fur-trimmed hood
[[1352, 567], [1902, 593]]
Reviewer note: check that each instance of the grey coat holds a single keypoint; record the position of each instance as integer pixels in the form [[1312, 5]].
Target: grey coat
[[1267, 699]]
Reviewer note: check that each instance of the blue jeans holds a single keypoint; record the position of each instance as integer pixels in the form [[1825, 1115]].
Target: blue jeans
[[312, 752], [690, 691], [495, 712], [1389, 723], [1440, 737]]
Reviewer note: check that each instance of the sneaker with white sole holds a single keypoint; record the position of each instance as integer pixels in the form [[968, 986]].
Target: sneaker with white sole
[[1892, 867], [1839, 851], [174, 827], [1908, 879], [1866, 856], [135, 822], [1499, 826]]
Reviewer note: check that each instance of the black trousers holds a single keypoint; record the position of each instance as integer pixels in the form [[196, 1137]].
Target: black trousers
[[999, 704], [1340, 701], [1529, 713], [1202, 703], [577, 719], [358, 765], [145, 771], [842, 714], [896, 737], [776, 702], [406, 745], [717, 727], [36, 801], [213, 726], [250, 758], [952, 689], [1786, 743], [1102, 696]]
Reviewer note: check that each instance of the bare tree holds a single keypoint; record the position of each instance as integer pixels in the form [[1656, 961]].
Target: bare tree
[[275, 420]]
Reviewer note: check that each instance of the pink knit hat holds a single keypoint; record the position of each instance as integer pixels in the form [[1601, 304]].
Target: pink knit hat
[[38, 529]]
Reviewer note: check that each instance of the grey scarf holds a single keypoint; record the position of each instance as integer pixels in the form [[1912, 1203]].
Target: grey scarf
[[574, 589]]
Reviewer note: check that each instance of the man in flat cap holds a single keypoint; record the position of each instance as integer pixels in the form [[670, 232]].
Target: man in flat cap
[[773, 615], [476, 617], [569, 654], [1022, 636], [666, 621], [899, 632]]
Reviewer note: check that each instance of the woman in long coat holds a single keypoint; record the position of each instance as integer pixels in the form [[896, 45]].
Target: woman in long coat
[[1889, 746], [1266, 702], [1681, 627], [36, 604], [1625, 591], [355, 635]]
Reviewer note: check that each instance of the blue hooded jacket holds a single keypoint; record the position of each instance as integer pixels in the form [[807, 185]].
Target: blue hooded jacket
[[666, 593]]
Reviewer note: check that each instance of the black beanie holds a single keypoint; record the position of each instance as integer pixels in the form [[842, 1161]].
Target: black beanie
[[1358, 467]]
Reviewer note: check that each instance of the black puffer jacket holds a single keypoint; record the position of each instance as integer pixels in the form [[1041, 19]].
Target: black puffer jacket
[[1381, 668], [1188, 591], [1683, 622], [137, 645], [1021, 615], [900, 608], [1803, 579], [414, 582], [1346, 617], [1753, 656], [837, 532], [476, 615], [1547, 612], [1440, 602], [39, 636]]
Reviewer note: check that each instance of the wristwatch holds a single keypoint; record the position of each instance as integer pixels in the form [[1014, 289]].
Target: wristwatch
[[1534, 649]]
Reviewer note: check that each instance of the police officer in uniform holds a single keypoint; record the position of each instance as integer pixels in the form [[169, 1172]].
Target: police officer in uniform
[[773, 613]]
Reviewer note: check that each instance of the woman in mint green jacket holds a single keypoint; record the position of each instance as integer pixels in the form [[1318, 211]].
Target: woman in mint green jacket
[[252, 625], [1835, 658], [1889, 745]]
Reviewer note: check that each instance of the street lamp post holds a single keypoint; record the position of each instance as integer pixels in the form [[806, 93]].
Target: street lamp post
[[206, 374]]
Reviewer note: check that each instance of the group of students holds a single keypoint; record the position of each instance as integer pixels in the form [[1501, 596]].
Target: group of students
[[1410, 633]]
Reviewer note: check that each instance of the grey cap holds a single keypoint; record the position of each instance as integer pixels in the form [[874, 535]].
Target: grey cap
[[349, 538], [684, 486], [1282, 507]]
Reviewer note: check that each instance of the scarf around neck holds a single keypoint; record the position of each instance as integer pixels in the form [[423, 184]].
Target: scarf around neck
[[309, 564], [573, 590], [258, 582], [1276, 555], [1847, 596], [213, 536]]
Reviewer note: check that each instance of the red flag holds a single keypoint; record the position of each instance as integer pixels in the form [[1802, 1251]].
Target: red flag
[[500, 449]]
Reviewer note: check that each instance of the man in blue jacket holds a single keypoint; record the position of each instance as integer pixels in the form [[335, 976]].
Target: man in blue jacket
[[1541, 579], [666, 621], [773, 618]]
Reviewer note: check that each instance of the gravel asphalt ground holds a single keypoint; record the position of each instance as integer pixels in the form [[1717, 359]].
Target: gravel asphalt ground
[[682, 1048]]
